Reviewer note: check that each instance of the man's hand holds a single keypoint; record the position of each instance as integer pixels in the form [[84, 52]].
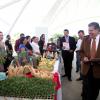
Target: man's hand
[[86, 59]]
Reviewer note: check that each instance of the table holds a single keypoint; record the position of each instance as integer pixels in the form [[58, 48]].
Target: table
[[57, 69]]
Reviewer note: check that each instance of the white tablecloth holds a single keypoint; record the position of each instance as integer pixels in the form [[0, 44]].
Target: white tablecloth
[[57, 68]]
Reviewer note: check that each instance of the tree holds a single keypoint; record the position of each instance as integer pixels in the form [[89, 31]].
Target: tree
[[76, 38], [56, 36]]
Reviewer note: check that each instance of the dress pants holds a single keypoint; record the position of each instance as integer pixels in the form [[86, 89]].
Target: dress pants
[[67, 59], [6, 64], [8, 60], [91, 86], [78, 63]]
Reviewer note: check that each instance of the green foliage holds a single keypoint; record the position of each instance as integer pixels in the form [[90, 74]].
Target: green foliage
[[56, 36], [76, 37], [23, 54], [2, 57], [2, 60], [27, 87]]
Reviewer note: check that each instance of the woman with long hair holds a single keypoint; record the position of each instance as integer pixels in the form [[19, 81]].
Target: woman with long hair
[[41, 43]]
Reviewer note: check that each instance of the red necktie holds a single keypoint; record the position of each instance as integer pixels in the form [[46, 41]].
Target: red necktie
[[93, 49]]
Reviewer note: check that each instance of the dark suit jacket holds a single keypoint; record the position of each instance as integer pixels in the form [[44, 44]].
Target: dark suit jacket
[[85, 52], [72, 43]]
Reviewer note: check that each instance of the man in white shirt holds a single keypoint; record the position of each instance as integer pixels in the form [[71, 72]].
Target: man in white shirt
[[78, 45], [1, 39], [2, 52]]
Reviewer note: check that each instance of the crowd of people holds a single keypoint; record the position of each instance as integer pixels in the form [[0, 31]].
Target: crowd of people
[[87, 50], [88, 59], [26, 48]]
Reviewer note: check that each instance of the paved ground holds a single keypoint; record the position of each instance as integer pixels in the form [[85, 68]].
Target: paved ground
[[72, 90]]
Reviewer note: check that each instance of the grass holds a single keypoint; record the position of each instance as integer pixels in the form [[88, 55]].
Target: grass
[[22, 87]]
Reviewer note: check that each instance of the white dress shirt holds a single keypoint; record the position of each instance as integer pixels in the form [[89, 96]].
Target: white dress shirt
[[97, 41], [67, 39], [35, 47], [78, 45]]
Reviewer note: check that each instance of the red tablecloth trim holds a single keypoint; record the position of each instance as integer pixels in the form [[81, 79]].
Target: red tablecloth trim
[[28, 75], [57, 82]]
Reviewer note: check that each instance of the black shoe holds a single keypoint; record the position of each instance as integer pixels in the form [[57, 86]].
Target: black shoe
[[69, 79], [82, 94], [79, 79], [64, 75]]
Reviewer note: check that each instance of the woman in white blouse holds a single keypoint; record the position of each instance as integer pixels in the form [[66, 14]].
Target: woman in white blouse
[[35, 46]]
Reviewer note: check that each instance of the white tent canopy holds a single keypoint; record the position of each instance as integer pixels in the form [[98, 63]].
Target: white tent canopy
[[52, 16]]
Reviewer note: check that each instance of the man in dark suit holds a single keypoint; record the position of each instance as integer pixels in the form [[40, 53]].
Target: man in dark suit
[[67, 45], [90, 62]]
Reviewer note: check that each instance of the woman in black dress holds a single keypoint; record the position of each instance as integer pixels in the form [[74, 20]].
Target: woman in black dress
[[41, 43]]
